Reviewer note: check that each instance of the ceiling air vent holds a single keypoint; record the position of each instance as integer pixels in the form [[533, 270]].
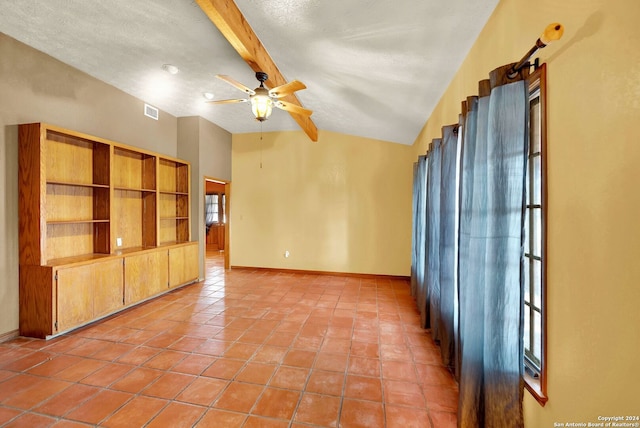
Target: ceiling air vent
[[151, 111]]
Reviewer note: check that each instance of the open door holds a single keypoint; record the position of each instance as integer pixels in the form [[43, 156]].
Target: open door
[[217, 193]]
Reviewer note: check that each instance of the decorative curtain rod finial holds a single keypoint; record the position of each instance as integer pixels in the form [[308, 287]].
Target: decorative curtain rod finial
[[551, 33]]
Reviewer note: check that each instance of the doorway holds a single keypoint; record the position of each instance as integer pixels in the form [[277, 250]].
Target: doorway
[[216, 202]]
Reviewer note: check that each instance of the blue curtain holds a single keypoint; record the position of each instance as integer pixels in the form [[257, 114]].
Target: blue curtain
[[418, 284], [432, 318], [447, 244], [473, 214], [503, 353], [483, 341], [467, 161], [491, 252], [415, 236]]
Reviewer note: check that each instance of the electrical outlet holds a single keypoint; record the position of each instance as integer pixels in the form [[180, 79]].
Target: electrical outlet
[[286, 254], [118, 242]]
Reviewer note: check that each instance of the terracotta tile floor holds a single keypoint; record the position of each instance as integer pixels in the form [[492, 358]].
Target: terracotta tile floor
[[240, 349]]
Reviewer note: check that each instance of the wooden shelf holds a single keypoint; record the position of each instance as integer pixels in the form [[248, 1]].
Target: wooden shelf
[[82, 258], [75, 221], [81, 195], [173, 176], [134, 169], [164, 192], [71, 158], [132, 250], [173, 201], [134, 183], [170, 243], [132, 189], [62, 183]]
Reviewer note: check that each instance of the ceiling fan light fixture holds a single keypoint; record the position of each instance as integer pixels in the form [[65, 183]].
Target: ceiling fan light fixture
[[261, 104], [263, 100]]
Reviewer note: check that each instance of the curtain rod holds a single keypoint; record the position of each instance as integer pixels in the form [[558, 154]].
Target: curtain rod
[[551, 33]]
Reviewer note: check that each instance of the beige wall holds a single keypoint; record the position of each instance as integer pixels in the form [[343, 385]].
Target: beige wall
[[342, 204], [208, 148], [215, 151], [34, 87], [594, 202]]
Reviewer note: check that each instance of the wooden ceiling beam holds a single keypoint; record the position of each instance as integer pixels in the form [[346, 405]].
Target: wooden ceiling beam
[[234, 27]]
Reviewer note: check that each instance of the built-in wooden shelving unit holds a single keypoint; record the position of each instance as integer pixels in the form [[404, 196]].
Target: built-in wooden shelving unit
[[102, 226]]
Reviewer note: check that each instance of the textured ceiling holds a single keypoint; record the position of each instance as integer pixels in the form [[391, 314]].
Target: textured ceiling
[[373, 68]]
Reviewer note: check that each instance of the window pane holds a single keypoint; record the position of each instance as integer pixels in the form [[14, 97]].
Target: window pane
[[534, 131], [528, 181], [224, 212], [536, 197], [536, 233], [215, 208], [211, 215], [537, 331], [527, 329], [527, 231], [527, 295], [537, 283]]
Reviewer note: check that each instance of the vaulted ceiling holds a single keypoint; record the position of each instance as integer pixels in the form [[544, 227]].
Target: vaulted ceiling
[[373, 68]]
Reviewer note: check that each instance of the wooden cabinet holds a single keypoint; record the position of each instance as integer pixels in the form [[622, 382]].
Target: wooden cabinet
[[74, 296], [99, 222], [183, 265], [108, 286], [145, 275], [215, 237], [87, 292]]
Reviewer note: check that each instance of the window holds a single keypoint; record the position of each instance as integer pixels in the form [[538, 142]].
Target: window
[[534, 241], [223, 205], [214, 209], [212, 206]]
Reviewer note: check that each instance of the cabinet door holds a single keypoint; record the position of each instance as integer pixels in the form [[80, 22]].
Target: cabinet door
[[183, 264], [145, 275], [191, 262], [75, 296], [88, 292], [108, 287]]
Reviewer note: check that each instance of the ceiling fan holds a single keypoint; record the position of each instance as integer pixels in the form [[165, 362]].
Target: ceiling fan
[[263, 100]]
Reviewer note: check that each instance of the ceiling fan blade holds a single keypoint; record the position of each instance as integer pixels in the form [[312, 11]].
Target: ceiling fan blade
[[227, 101], [286, 89], [292, 108], [235, 83]]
